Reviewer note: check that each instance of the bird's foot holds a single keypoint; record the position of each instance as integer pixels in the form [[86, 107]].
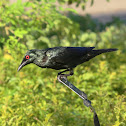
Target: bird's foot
[[63, 76]]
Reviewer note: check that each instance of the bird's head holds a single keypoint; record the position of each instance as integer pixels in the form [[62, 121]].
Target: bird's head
[[29, 57]]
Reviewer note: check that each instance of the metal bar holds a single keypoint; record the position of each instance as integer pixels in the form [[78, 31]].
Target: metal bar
[[62, 79]]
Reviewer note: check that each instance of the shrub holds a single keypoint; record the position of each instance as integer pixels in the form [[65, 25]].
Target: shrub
[[33, 96]]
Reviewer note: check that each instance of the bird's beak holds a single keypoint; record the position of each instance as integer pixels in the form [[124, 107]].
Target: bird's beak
[[23, 63]]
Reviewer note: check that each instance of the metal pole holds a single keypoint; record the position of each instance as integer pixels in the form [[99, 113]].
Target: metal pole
[[62, 79]]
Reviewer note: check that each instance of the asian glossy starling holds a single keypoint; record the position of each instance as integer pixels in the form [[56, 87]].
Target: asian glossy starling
[[61, 57]]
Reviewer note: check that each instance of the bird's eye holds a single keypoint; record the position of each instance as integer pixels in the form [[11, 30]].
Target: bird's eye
[[27, 57]]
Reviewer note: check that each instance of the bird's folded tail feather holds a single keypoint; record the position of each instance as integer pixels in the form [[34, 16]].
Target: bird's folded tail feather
[[103, 51]]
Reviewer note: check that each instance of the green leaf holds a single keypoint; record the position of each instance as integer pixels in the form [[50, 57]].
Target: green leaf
[[92, 2], [45, 122]]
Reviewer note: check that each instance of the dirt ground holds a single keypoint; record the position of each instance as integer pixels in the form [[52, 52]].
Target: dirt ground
[[102, 10]]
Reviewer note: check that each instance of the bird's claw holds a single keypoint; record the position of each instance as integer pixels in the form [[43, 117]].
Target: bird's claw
[[61, 76]]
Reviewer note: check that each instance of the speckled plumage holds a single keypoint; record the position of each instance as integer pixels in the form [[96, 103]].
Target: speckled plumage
[[61, 57]]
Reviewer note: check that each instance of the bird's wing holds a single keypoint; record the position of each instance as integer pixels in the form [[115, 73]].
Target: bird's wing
[[67, 54]]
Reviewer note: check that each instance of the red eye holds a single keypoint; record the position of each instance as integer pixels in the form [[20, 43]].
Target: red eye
[[27, 57]]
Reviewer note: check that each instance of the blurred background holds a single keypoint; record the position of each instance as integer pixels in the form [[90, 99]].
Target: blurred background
[[33, 96]]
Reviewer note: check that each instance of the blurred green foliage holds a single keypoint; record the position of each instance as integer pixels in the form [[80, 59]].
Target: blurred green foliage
[[33, 97]]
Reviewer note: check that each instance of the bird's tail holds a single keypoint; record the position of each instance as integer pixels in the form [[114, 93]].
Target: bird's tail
[[94, 53], [100, 51]]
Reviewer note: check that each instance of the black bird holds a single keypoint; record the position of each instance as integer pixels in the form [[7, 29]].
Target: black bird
[[61, 57]]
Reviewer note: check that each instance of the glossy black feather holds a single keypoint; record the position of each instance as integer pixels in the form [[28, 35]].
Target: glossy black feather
[[70, 57], [64, 57]]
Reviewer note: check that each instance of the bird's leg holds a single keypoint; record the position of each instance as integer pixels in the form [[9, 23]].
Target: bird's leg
[[60, 73], [70, 73]]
